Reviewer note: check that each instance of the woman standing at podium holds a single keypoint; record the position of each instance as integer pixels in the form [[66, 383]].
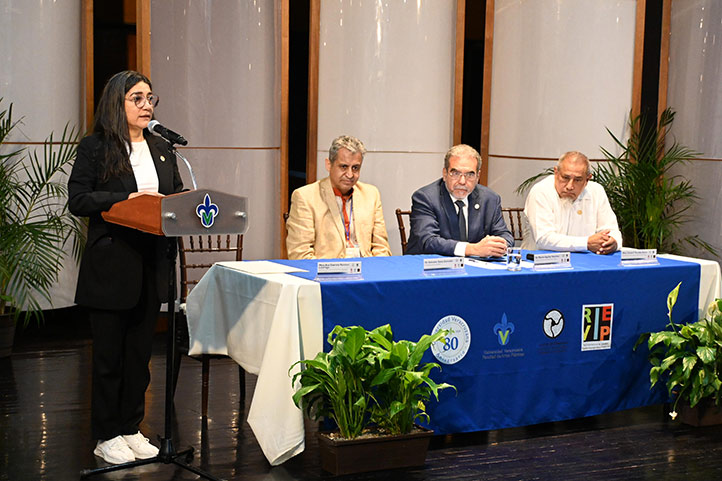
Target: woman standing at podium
[[123, 273]]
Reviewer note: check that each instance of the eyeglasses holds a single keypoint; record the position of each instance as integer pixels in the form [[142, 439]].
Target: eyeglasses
[[455, 174], [139, 100]]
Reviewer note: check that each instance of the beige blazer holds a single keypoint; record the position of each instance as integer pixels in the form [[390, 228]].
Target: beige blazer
[[315, 227]]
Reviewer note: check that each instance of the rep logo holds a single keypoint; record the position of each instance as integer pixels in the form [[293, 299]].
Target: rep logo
[[207, 211], [456, 343], [503, 330], [597, 326]]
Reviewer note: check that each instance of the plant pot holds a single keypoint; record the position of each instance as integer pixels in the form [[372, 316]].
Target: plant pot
[[705, 413], [374, 452], [7, 334]]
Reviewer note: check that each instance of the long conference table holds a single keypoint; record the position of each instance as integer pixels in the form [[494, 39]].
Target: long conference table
[[528, 347]]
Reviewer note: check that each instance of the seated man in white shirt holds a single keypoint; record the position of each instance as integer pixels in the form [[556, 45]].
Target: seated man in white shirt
[[568, 212]]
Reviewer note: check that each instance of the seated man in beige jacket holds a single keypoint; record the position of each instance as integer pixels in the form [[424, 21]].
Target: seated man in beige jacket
[[337, 216]]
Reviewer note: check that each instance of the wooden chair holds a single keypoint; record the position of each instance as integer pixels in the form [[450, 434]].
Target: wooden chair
[[197, 254], [513, 217], [402, 227]]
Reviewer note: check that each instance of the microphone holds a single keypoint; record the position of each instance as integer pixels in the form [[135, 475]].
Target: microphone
[[172, 137]]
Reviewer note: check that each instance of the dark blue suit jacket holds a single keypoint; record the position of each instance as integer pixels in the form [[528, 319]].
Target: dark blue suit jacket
[[435, 225]]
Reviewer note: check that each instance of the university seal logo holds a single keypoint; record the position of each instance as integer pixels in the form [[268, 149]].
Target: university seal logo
[[457, 341]]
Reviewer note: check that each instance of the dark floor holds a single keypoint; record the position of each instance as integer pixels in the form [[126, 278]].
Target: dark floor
[[45, 411]]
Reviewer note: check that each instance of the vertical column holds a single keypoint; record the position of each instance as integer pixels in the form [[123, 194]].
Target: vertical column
[[40, 74], [695, 93], [216, 67], [561, 75], [386, 76]]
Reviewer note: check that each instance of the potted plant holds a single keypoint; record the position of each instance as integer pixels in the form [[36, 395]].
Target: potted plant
[[685, 357], [35, 224], [373, 388], [651, 202]]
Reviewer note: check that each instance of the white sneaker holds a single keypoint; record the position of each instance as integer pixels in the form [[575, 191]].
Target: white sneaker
[[140, 446], [114, 451]]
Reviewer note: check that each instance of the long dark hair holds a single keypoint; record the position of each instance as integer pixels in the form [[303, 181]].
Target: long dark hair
[[111, 123]]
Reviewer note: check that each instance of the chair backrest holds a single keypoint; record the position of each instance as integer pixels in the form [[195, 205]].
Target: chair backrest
[[402, 227], [513, 216], [198, 253]]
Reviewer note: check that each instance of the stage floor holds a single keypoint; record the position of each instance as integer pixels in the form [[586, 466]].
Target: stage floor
[[45, 432]]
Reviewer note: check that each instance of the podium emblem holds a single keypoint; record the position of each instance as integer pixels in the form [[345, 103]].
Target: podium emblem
[[207, 211]]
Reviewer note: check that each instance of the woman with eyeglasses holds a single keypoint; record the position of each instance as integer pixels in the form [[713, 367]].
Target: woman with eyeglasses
[[124, 272]]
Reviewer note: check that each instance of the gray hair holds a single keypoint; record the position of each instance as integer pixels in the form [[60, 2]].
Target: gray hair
[[462, 150], [348, 142], [574, 157]]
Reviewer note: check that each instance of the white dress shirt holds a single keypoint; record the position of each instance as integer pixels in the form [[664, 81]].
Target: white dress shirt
[[144, 171], [460, 247], [557, 224]]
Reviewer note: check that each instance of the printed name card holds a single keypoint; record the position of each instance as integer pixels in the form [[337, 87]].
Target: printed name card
[[338, 271], [342, 267], [443, 263], [632, 257], [552, 260]]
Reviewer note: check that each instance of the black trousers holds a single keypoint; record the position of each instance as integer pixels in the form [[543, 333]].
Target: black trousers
[[122, 345]]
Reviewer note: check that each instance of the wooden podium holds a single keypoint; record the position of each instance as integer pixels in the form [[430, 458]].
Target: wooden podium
[[186, 213], [182, 214]]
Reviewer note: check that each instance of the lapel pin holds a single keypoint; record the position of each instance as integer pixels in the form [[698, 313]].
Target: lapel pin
[[476, 206], [162, 158]]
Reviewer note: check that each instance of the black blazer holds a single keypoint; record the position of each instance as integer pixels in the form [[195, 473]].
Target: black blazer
[[111, 270], [435, 225]]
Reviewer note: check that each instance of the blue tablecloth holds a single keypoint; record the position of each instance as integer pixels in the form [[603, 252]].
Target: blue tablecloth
[[520, 376]]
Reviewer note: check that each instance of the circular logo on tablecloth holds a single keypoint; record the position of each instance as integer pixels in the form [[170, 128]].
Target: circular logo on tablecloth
[[553, 323], [457, 341]]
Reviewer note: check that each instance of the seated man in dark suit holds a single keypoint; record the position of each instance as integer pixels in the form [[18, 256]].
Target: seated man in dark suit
[[456, 216]]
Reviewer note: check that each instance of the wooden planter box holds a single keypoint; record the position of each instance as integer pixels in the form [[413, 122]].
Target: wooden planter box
[[373, 453], [705, 413]]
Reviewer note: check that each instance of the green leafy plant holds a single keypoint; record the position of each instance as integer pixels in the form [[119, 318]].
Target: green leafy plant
[[368, 378], [651, 202], [688, 357], [402, 387], [35, 223]]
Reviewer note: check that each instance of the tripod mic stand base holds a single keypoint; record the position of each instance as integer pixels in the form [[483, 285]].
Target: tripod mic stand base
[[166, 455]]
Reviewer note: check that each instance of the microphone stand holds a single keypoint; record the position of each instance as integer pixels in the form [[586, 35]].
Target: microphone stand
[[167, 453], [188, 164]]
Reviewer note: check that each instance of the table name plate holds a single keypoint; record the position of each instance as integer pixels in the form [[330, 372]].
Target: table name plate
[[552, 260], [350, 267], [444, 263], [632, 256]]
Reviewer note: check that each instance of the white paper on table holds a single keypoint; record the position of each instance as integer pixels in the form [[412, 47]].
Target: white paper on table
[[485, 264], [260, 267], [495, 265]]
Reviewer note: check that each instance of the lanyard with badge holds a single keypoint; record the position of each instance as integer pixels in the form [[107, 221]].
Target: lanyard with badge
[[351, 250]]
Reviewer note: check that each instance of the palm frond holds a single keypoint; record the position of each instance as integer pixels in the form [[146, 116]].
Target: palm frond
[[35, 224]]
